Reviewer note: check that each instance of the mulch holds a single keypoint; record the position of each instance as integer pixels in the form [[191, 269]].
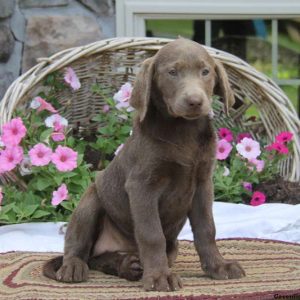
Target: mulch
[[272, 267], [279, 190]]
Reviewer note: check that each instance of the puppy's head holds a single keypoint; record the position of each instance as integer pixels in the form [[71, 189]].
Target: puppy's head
[[181, 78]]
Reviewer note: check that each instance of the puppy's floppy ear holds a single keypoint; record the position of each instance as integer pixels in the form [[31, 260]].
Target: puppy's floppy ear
[[223, 88], [141, 92]]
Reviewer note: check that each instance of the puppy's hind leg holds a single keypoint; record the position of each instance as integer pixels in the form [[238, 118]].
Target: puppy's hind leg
[[52, 266], [124, 265], [81, 234]]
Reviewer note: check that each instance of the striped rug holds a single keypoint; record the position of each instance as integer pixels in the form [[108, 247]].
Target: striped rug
[[273, 272]]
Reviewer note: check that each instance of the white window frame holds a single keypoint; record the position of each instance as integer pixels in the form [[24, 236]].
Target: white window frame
[[131, 16]]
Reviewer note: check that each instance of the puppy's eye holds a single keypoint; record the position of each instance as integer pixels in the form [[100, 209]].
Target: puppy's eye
[[205, 72], [173, 72]]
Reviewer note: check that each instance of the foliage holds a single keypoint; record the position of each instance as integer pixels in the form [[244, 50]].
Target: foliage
[[115, 127], [237, 174], [28, 198]]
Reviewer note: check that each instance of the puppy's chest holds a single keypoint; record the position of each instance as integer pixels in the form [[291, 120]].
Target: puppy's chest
[[182, 181], [190, 157], [184, 167], [183, 171]]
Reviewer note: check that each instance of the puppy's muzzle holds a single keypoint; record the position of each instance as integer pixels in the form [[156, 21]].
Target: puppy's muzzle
[[195, 105]]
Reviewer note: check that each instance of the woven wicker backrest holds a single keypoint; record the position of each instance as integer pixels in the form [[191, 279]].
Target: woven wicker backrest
[[113, 62]]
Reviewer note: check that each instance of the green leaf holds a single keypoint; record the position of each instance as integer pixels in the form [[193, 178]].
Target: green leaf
[[67, 205], [69, 174], [8, 217], [29, 210], [59, 178], [6, 208], [236, 199], [4, 217], [17, 210], [79, 160], [50, 79], [74, 188], [125, 129], [43, 183], [71, 141], [45, 134], [39, 214], [97, 118], [105, 130]]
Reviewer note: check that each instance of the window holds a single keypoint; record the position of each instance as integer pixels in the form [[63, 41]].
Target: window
[[264, 33]]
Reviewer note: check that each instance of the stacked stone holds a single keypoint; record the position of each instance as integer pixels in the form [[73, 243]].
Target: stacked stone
[[30, 29]]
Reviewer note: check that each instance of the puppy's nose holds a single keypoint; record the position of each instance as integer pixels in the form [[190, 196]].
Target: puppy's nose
[[194, 101]]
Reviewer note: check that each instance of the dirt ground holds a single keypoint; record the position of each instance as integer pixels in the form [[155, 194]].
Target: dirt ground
[[280, 191]]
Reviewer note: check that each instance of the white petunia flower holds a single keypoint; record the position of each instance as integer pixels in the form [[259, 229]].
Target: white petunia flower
[[226, 171], [56, 119], [35, 103], [25, 166], [248, 148]]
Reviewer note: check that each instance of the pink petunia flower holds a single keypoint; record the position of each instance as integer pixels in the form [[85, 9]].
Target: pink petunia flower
[[57, 122], [106, 108], [40, 155], [60, 195], [10, 157], [247, 186], [248, 148], [119, 149], [259, 164], [122, 97], [72, 79], [41, 104], [258, 198], [284, 137], [225, 133], [58, 136], [269, 147], [64, 158], [223, 149], [278, 147], [242, 135], [13, 132]]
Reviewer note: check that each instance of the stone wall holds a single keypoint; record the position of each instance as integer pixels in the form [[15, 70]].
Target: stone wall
[[30, 29]]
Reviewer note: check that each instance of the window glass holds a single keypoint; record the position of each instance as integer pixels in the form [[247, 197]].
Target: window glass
[[248, 39]]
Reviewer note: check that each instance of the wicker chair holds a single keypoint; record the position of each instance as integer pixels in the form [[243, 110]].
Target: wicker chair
[[115, 61]]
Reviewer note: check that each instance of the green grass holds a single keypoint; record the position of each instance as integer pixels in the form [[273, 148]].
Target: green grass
[[292, 93], [171, 28]]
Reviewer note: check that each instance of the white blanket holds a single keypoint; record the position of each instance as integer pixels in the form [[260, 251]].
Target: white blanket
[[268, 221]]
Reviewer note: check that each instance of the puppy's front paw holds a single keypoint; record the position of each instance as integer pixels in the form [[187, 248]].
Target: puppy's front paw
[[162, 282], [73, 270], [225, 270]]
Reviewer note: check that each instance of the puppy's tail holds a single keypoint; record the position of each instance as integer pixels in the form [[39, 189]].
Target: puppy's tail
[[52, 266]]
